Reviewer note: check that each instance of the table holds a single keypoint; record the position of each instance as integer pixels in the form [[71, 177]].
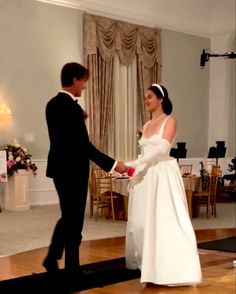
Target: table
[[191, 184]]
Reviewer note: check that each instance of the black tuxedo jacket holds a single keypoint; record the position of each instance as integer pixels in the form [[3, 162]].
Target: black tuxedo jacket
[[70, 148]]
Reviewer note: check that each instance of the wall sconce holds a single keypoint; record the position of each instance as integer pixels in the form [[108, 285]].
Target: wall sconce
[[5, 113]]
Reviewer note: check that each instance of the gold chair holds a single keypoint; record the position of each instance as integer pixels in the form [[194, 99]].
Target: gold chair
[[101, 193], [92, 195], [215, 170], [207, 197], [186, 169]]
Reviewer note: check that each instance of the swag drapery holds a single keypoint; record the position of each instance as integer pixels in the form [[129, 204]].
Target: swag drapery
[[103, 38]]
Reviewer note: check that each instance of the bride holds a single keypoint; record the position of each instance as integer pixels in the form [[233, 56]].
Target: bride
[[160, 240]]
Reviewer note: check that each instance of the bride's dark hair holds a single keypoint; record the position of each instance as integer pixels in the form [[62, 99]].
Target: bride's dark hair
[[166, 103]]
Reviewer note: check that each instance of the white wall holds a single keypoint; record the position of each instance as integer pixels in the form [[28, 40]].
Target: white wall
[[37, 39], [188, 87], [221, 125]]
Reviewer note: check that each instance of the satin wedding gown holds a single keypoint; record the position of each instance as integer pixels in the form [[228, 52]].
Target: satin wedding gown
[[160, 240]]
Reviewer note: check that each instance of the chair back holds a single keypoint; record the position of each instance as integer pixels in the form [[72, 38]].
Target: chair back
[[102, 183], [213, 180], [101, 188], [207, 197], [216, 170], [92, 190], [186, 169]]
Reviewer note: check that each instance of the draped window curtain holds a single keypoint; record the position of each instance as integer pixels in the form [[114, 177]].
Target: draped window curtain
[[124, 60], [122, 142]]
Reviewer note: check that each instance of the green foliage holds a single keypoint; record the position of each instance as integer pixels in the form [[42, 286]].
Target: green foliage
[[232, 167]]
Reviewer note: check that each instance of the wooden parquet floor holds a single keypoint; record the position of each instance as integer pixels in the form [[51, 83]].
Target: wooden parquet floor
[[217, 266]]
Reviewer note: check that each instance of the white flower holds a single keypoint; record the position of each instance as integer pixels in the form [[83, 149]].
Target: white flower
[[18, 159], [10, 157]]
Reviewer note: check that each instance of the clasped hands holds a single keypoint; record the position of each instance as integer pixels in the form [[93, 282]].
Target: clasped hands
[[121, 168]]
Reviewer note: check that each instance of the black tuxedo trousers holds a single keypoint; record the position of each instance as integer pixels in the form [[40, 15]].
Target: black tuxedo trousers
[[67, 233]]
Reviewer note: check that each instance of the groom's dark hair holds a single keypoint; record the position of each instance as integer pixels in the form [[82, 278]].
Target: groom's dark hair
[[73, 70]]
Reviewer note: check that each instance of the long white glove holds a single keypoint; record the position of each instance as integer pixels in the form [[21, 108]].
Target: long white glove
[[162, 148]]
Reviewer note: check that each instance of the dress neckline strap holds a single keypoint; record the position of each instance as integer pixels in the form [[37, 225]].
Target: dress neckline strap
[[161, 130]]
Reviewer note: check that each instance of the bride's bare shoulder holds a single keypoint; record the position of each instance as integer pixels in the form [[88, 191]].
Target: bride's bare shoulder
[[171, 120]]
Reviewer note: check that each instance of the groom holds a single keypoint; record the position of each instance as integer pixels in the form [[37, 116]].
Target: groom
[[68, 166]]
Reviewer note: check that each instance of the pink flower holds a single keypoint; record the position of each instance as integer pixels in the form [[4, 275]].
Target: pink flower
[[18, 157], [10, 163]]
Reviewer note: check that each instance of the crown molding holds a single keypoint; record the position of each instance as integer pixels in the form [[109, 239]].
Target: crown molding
[[121, 14], [102, 10], [172, 23], [65, 3]]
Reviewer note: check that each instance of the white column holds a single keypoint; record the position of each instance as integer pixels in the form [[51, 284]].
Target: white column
[[17, 192], [219, 106]]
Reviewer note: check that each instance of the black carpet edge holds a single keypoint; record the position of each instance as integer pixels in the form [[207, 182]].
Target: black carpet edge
[[102, 274], [225, 244]]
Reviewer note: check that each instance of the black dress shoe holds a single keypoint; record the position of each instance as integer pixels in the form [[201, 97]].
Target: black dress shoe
[[51, 265]]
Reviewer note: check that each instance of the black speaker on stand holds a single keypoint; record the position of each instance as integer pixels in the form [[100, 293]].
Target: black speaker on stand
[[218, 151], [180, 151]]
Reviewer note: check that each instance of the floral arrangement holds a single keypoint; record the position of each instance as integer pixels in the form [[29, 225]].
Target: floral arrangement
[[232, 167], [18, 157]]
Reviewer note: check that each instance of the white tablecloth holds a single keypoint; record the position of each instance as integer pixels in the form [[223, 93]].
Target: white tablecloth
[[192, 183], [120, 185]]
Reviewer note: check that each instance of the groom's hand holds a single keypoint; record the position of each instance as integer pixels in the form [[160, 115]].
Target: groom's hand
[[121, 168]]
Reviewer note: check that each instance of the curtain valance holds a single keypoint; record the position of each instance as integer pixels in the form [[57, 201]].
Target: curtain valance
[[127, 40]]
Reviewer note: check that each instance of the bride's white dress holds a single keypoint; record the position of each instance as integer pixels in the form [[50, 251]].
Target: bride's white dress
[[160, 240]]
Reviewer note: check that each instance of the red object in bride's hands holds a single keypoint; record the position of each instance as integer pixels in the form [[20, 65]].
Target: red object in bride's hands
[[131, 171]]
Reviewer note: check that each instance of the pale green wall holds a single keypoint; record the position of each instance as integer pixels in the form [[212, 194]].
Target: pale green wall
[[231, 79], [38, 38], [188, 87]]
